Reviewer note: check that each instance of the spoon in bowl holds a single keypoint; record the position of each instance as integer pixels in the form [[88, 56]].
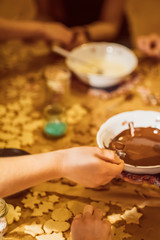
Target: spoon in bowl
[[89, 66]]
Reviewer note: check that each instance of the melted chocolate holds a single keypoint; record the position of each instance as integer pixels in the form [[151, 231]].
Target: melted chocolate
[[142, 149]]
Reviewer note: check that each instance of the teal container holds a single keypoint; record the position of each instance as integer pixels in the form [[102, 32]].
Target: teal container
[[55, 129]]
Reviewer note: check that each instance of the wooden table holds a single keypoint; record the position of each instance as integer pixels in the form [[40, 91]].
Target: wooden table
[[27, 63]]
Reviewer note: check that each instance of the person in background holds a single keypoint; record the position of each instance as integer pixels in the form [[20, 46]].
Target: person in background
[[88, 166], [90, 226], [149, 44], [98, 20], [70, 23]]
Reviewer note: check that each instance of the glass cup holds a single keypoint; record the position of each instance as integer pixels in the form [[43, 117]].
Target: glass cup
[[3, 221]]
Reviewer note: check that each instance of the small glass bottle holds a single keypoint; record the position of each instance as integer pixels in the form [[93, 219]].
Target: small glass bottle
[[58, 83], [55, 125], [3, 221]]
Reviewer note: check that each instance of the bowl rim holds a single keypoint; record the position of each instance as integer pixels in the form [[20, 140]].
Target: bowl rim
[[128, 167], [107, 44]]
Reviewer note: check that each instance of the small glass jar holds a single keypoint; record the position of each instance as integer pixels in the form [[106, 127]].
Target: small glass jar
[[58, 83], [55, 125], [3, 221]]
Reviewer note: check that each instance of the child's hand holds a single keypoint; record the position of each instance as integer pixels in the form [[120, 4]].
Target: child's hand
[[79, 37], [90, 226], [56, 32], [149, 45]]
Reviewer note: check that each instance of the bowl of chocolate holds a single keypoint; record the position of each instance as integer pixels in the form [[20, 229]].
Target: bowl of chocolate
[[135, 136]]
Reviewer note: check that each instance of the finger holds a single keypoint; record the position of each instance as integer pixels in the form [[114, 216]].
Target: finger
[[88, 210], [108, 228], [98, 214], [152, 46], [113, 170], [108, 156], [108, 225], [154, 52], [110, 237], [142, 43], [118, 168], [78, 216]]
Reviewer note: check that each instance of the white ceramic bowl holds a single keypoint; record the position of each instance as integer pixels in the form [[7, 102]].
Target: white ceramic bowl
[[115, 61], [118, 123]]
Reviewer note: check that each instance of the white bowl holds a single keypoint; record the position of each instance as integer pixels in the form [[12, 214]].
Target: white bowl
[[118, 123], [114, 60]]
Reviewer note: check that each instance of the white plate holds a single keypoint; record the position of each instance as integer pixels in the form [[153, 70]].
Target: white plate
[[118, 123], [116, 62]]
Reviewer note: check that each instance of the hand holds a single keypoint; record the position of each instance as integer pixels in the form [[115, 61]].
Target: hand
[[79, 37], [90, 166], [149, 45], [56, 32], [90, 226]]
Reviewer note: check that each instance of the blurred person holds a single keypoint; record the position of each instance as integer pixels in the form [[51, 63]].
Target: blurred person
[[70, 22], [90, 226], [149, 45], [88, 166], [98, 20]]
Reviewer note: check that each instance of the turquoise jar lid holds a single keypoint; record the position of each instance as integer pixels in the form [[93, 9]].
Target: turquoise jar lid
[[55, 129]]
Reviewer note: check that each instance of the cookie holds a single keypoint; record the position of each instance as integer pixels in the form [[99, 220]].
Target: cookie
[[53, 198], [30, 201], [13, 107], [75, 207], [75, 114], [119, 233], [6, 136], [53, 226], [114, 218], [132, 216], [13, 144], [34, 229], [34, 125], [44, 207], [100, 205], [20, 119], [11, 129], [27, 139], [53, 236], [36, 194], [61, 214], [3, 110], [13, 214]]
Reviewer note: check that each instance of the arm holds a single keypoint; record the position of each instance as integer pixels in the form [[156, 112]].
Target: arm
[[77, 164], [110, 21], [10, 29], [106, 28]]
